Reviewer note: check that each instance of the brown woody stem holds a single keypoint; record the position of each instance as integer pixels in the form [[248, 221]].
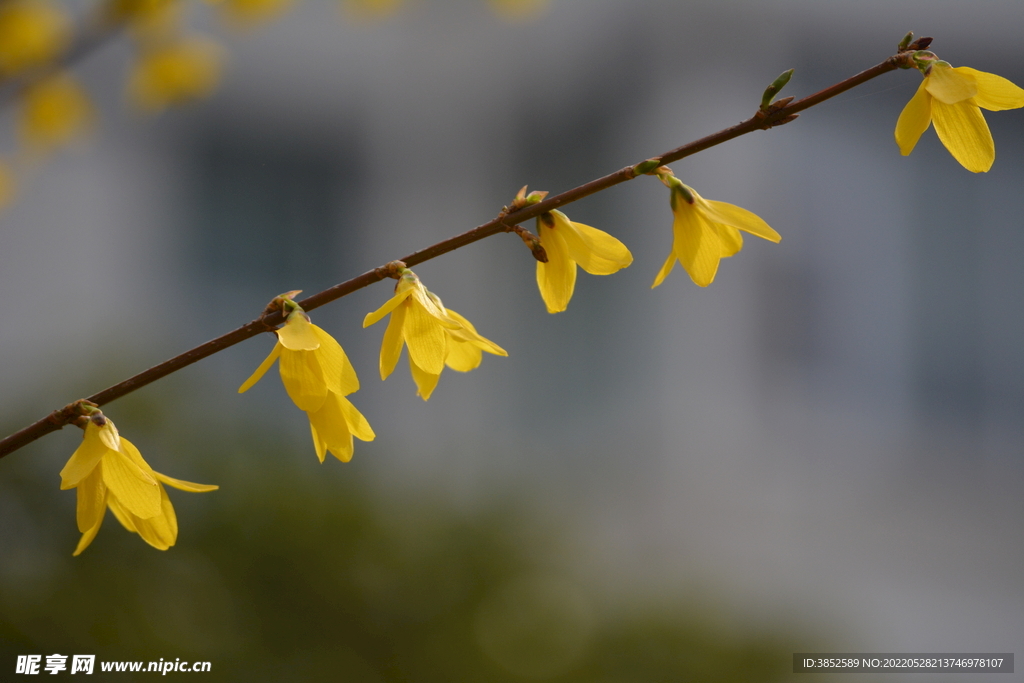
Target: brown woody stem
[[776, 115]]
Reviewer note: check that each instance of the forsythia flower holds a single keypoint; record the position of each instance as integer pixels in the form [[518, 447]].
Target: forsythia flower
[[55, 111], [175, 73], [705, 231], [436, 336], [952, 99], [109, 471], [32, 33], [570, 244], [317, 376]]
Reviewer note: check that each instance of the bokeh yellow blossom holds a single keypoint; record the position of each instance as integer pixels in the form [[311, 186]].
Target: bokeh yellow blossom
[[247, 12], [434, 335], [32, 33], [705, 231], [952, 99], [569, 244], [175, 73], [54, 111], [108, 471], [317, 375]]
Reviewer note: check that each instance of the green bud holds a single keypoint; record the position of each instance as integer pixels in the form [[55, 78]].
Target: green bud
[[645, 167], [772, 90], [905, 43]]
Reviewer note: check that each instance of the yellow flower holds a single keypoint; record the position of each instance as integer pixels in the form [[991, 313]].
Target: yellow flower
[[178, 72], [435, 336], [952, 99], [705, 231], [32, 33], [55, 111], [109, 471], [570, 244], [317, 376]]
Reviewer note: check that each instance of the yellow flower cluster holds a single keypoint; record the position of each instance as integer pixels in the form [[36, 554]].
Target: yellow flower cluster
[[951, 99], [108, 471], [436, 336], [317, 376]]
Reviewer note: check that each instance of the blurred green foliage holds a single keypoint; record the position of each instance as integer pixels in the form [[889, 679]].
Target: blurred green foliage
[[295, 571]]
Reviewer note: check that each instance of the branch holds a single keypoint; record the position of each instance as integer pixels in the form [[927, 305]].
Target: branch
[[780, 113]]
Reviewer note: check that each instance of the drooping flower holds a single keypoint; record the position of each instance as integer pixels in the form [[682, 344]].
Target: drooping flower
[[181, 71], [54, 111], [435, 336], [569, 244], [952, 99], [705, 231], [317, 376], [108, 471], [32, 33]]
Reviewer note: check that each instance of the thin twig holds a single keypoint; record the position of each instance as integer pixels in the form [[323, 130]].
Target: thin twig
[[778, 114]]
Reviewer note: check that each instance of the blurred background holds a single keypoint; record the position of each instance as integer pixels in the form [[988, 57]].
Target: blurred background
[[821, 452]]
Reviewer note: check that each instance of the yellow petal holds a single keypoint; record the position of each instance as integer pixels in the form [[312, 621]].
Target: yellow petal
[[357, 423], [556, 279], [334, 425], [160, 531], [696, 243], [338, 372], [995, 93], [432, 306], [468, 333], [126, 518], [84, 460], [914, 119], [262, 369], [318, 443], [303, 379], [297, 334], [391, 345], [109, 435], [666, 268], [732, 240], [948, 85], [737, 217], [389, 305], [593, 250], [425, 381], [185, 485], [463, 356], [425, 338], [134, 487], [92, 501], [88, 536], [962, 129]]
